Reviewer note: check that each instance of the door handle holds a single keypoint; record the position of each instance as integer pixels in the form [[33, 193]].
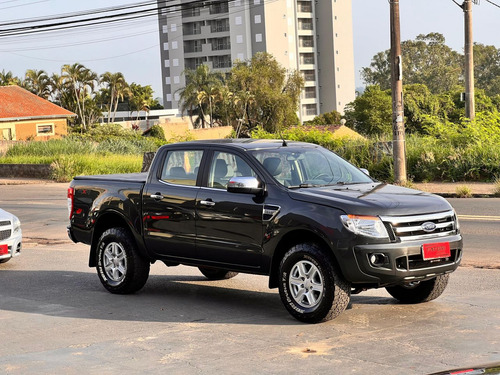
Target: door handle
[[208, 203], [157, 196]]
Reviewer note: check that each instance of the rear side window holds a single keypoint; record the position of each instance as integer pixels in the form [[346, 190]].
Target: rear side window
[[181, 167]]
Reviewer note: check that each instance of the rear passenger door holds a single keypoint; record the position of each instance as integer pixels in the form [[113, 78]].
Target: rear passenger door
[[229, 225], [169, 203]]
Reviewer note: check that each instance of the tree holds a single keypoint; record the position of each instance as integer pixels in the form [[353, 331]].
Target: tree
[[487, 68], [426, 60], [115, 90], [275, 93], [196, 97], [140, 98], [81, 82], [371, 113], [37, 82], [328, 118], [7, 79]]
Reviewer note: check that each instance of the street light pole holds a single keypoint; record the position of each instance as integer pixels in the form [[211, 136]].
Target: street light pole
[[398, 127]]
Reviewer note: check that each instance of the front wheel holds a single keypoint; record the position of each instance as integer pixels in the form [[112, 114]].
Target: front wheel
[[217, 273], [120, 267], [311, 287], [420, 291]]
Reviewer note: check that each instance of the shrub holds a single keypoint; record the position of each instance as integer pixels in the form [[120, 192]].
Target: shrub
[[463, 191]]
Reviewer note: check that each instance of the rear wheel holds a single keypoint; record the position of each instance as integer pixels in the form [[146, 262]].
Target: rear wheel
[[4, 260], [311, 287], [420, 291], [217, 273], [120, 267]]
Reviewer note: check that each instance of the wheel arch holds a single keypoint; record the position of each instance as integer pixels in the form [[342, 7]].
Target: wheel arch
[[291, 239], [112, 219]]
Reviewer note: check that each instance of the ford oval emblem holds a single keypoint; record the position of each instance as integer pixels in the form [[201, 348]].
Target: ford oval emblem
[[428, 226]]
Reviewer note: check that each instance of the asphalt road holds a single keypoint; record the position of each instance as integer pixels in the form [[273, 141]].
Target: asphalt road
[[57, 318]]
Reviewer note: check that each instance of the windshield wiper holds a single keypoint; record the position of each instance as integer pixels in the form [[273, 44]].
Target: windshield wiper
[[305, 186]]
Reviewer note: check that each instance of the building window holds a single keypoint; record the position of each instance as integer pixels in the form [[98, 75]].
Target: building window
[[175, 62], [219, 44], [167, 80], [176, 80], [258, 18], [165, 46], [173, 27], [169, 97], [306, 41], [239, 39], [45, 129], [309, 109], [165, 29], [238, 20], [219, 7], [307, 58], [310, 92], [167, 63], [258, 38], [309, 75], [177, 96], [256, 2], [174, 45], [305, 24], [304, 6], [217, 26]]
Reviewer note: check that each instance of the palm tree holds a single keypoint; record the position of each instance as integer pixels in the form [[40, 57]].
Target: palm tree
[[118, 89], [81, 82], [7, 79], [37, 82], [200, 91]]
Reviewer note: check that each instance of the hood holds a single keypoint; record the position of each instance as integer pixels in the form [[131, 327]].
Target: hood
[[6, 215], [373, 199]]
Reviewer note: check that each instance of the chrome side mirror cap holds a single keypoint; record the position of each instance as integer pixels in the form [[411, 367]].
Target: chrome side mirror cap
[[247, 185]]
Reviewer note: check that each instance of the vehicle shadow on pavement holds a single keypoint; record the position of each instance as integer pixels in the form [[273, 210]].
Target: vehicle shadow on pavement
[[165, 298]]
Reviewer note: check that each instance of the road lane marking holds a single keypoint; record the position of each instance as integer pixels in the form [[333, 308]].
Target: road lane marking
[[479, 217]]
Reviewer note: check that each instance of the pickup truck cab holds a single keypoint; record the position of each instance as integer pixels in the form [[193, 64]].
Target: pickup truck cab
[[317, 226]]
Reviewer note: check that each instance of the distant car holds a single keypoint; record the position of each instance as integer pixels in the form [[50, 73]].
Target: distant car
[[10, 236]]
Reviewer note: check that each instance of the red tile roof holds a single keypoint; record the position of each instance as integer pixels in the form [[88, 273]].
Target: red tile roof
[[17, 103]]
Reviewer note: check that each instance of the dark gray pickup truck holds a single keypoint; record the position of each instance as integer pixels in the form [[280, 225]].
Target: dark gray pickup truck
[[319, 227]]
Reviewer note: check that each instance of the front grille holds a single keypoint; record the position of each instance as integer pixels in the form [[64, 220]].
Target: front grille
[[419, 227], [4, 234]]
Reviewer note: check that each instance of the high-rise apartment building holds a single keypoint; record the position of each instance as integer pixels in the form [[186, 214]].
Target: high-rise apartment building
[[312, 36]]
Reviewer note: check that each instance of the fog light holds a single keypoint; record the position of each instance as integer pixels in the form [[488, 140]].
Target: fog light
[[378, 259]]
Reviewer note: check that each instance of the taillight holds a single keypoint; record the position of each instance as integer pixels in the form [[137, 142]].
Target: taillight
[[71, 196]]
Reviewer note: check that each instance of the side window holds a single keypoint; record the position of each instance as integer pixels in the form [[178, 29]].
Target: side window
[[224, 166], [181, 167]]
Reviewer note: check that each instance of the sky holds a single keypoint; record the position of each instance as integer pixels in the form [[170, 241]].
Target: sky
[[133, 49]]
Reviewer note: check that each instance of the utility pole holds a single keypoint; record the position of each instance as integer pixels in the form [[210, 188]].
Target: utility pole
[[469, 61], [398, 126]]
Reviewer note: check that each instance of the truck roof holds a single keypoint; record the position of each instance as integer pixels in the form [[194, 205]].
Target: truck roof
[[247, 143]]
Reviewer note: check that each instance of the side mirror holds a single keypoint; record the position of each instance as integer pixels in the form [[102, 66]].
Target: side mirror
[[365, 171], [247, 185]]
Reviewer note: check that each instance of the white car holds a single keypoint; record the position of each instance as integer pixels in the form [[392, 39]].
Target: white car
[[10, 236]]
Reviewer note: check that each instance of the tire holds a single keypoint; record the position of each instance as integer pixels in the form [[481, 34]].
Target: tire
[[120, 267], [423, 291], [4, 260], [217, 273], [311, 287]]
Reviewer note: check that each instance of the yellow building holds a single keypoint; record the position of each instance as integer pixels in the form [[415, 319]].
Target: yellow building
[[24, 115]]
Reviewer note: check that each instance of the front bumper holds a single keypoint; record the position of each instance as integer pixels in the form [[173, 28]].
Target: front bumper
[[14, 246], [401, 262]]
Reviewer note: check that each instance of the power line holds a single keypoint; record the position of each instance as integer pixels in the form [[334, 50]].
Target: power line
[[492, 3]]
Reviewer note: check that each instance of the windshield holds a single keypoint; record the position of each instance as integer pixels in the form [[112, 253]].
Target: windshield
[[297, 167]]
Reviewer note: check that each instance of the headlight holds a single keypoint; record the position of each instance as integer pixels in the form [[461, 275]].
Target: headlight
[[369, 226], [16, 224]]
